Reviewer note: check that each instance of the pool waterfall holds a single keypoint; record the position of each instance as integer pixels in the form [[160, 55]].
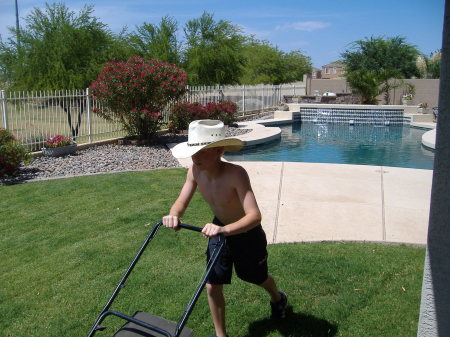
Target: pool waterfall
[[377, 117]]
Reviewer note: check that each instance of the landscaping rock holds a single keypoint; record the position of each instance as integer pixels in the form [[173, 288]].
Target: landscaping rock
[[105, 159]]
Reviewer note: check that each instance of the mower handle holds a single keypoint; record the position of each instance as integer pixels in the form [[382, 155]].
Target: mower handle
[[186, 226], [192, 228], [105, 312]]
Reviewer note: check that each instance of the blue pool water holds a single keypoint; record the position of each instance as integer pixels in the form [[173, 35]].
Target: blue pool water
[[362, 144]]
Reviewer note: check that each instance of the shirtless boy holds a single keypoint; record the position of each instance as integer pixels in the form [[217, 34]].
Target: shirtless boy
[[226, 188]]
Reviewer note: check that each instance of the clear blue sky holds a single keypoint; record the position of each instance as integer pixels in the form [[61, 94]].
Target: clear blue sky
[[319, 29]]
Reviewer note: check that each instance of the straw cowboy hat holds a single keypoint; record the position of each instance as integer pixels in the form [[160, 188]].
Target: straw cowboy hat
[[204, 134]]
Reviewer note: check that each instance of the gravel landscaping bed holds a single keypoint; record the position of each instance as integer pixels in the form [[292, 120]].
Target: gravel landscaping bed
[[105, 159]]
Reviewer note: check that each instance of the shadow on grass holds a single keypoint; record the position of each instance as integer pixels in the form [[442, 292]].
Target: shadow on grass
[[294, 325], [20, 177]]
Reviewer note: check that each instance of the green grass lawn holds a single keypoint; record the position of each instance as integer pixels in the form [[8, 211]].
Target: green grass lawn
[[66, 243]]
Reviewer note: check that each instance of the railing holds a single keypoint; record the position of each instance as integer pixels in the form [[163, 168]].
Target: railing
[[35, 116], [248, 98]]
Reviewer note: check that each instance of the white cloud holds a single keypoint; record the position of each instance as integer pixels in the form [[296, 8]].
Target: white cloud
[[258, 33], [308, 26]]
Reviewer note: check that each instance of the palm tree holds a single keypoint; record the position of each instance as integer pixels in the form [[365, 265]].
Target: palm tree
[[366, 83]]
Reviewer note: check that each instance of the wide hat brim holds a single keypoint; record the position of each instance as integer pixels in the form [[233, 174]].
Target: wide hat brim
[[183, 150]]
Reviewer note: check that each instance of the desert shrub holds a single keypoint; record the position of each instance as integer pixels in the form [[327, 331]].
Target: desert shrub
[[184, 113], [11, 153], [136, 92]]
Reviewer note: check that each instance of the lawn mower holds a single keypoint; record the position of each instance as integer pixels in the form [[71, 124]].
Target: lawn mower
[[148, 325]]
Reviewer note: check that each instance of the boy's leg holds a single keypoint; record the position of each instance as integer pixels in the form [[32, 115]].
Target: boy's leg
[[220, 275], [251, 266], [278, 299], [216, 303], [270, 286]]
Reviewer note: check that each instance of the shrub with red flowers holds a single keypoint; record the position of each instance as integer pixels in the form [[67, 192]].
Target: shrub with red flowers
[[11, 153], [224, 111], [57, 141], [136, 92], [184, 113]]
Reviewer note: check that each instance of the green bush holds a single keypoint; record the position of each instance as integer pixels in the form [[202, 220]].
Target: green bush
[[184, 113], [11, 153]]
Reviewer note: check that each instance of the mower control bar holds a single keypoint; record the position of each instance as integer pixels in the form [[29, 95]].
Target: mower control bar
[[192, 228]]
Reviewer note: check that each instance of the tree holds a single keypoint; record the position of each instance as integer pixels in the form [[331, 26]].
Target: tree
[[392, 55], [214, 51], [263, 63], [58, 49], [120, 48], [394, 83], [295, 65], [267, 64], [366, 83], [370, 65], [429, 67], [434, 65], [158, 41]]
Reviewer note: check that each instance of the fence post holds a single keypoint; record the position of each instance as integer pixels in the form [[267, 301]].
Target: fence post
[[263, 98], [243, 100], [5, 113], [88, 110]]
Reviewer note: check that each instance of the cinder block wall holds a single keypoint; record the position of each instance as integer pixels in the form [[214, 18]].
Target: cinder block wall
[[427, 90]]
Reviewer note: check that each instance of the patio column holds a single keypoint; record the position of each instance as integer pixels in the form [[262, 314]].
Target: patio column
[[434, 320]]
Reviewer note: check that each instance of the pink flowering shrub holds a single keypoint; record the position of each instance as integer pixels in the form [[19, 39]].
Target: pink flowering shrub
[[11, 153], [136, 92], [57, 141], [184, 113], [224, 111]]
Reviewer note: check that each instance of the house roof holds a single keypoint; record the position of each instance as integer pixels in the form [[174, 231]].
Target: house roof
[[334, 64]]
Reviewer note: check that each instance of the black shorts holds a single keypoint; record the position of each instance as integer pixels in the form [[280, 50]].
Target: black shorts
[[247, 251]]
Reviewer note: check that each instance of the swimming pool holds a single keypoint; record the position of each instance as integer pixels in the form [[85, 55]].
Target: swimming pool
[[361, 144]]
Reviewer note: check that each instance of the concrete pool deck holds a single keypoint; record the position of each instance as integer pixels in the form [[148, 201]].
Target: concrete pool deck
[[310, 202], [305, 202]]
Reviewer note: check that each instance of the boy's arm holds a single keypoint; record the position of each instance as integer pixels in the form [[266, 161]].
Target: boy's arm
[[252, 217], [179, 206]]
